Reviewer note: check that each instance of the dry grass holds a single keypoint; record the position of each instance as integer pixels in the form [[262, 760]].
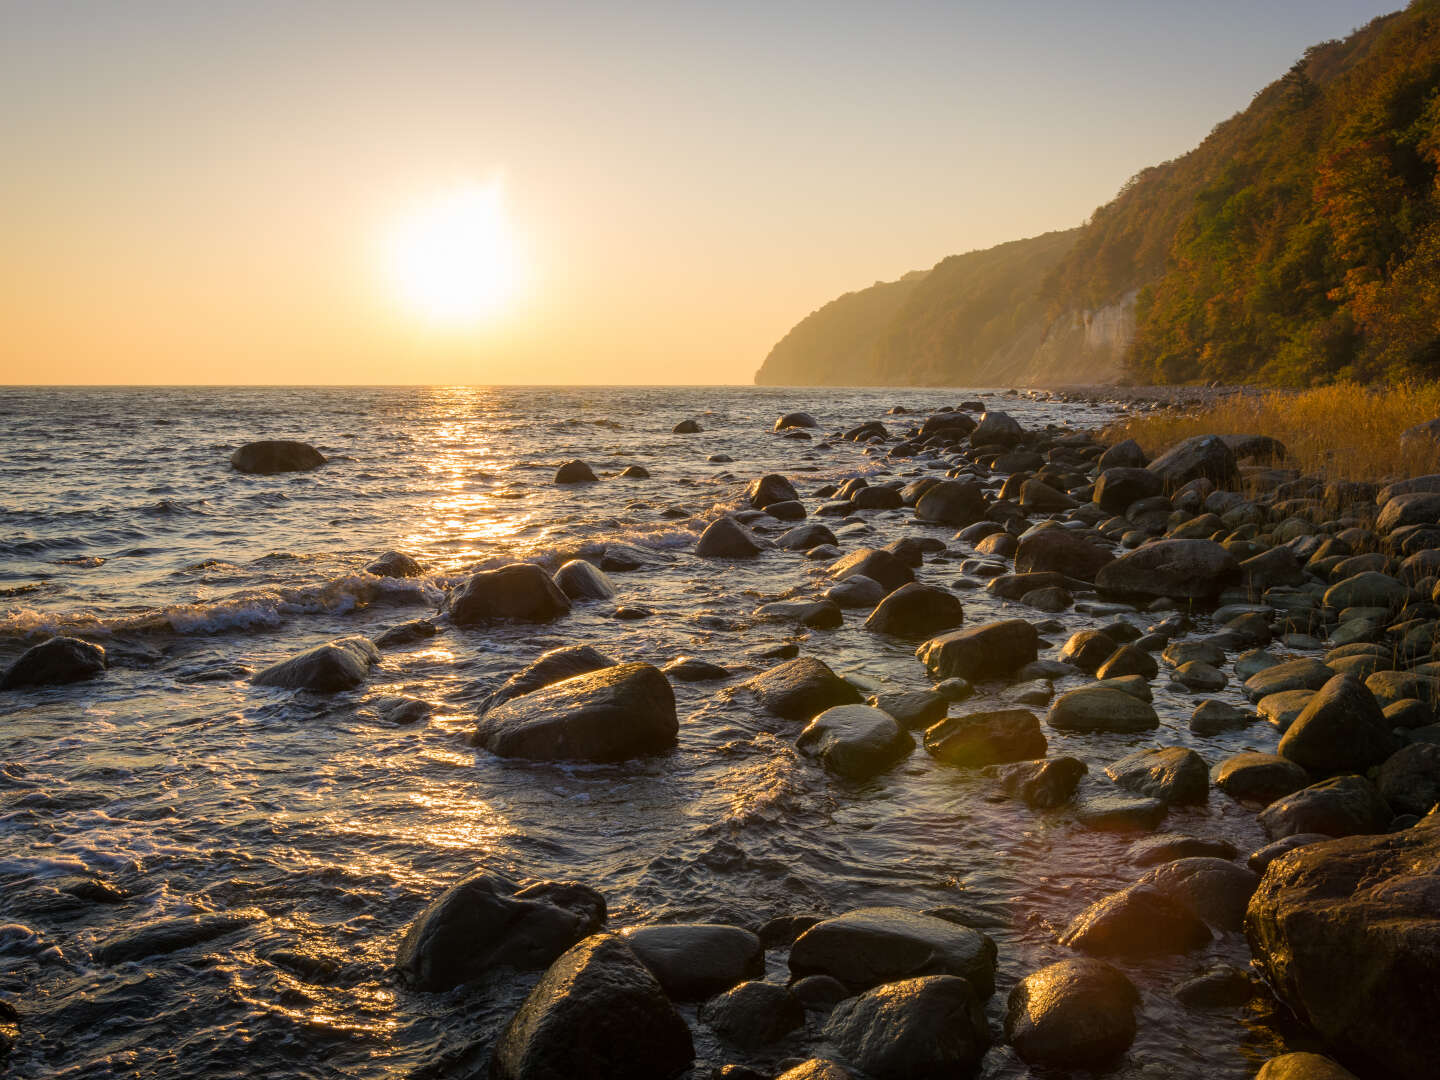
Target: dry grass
[[1344, 432]]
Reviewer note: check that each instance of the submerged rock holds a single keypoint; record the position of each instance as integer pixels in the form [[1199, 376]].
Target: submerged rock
[[337, 665], [171, 935], [518, 591], [986, 738], [1073, 1014], [874, 945], [55, 662], [612, 714], [271, 456]]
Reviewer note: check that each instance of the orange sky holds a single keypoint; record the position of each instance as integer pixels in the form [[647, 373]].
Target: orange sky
[[198, 192]]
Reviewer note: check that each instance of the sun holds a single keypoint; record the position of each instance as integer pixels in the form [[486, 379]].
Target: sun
[[451, 260]]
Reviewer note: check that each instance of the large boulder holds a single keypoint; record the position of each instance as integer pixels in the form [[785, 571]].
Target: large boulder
[[1136, 921], [597, 1012], [613, 714], [1101, 708], [581, 580], [802, 688], [1117, 488], [1072, 1015], [518, 591], [876, 564], [694, 961], [271, 456], [726, 538], [1173, 774], [856, 741], [486, 921], [1198, 457], [54, 662], [1340, 806], [550, 667], [1177, 569], [987, 738], [916, 610], [1342, 729], [952, 502], [772, 488], [337, 665], [996, 429], [1348, 934], [916, 1029], [1062, 551], [875, 945], [988, 651]]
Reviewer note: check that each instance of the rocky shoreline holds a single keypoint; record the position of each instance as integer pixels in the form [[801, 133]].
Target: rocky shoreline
[[1341, 910]]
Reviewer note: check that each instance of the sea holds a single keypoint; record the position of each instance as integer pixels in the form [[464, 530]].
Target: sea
[[325, 829]]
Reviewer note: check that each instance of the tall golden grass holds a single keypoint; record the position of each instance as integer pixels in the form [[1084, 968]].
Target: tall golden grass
[[1341, 432]]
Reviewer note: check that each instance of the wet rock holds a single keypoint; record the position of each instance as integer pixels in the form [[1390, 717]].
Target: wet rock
[[1278, 566], [1167, 847], [802, 688], [1259, 778], [804, 537], [795, 420], [1116, 488], [1041, 785], [1074, 1014], [981, 652], [875, 564], [933, 1026], [485, 921], [780, 931], [1128, 660], [1342, 729], [1304, 674], [1213, 717], [820, 992], [874, 945], [726, 538], [575, 472], [878, 497], [1061, 551], [952, 502], [1214, 890], [856, 591], [93, 890], [817, 614], [398, 710], [1123, 455], [395, 564], [612, 714], [1088, 649], [337, 665], [986, 738], [1101, 708], [1261, 858], [1201, 677], [620, 558], [1198, 457], [816, 1069], [1221, 986], [912, 708], [1367, 590], [407, 633], [694, 961], [691, 669], [1284, 708], [271, 456], [519, 591], [1409, 780], [786, 511], [1178, 569], [769, 489], [635, 472], [996, 429], [550, 667], [580, 580], [171, 935], [1136, 921], [916, 610], [855, 741], [597, 1012], [1120, 812], [1389, 687], [1341, 806], [1348, 934], [55, 662], [1303, 1066], [688, 427], [754, 1014], [1173, 774]]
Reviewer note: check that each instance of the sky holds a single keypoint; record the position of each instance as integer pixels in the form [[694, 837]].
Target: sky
[[208, 191]]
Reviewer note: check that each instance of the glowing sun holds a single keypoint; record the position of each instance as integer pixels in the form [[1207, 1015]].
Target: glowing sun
[[451, 260]]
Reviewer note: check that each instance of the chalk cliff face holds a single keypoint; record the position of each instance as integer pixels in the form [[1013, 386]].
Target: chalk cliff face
[[972, 320]]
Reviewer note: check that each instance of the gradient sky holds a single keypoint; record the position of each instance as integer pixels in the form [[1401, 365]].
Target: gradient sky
[[195, 191]]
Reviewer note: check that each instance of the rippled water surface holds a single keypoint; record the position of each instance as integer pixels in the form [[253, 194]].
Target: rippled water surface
[[326, 829]]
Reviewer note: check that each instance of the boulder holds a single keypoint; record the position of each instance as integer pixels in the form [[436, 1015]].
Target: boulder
[[519, 591], [1167, 847], [395, 564], [816, 1069], [1062, 551], [694, 961], [1409, 780], [855, 741], [952, 502], [1198, 457], [1037, 496], [877, 497], [1120, 813], [988, 651], [928, 1027], [1136, 921], [726, 538], [1101, 708], [1173, 774], [1260, 859], [692, 669], [795, 420], [580, 580], [613, 714], [1128, 660], [1041, 785], [1117, 488], [772, 488], [1088, 649], [1213, 717], [1342, 729], [1303, 1066], [1259, 778], [1367, 590], [637, 472], [912, 708], [874, 945], [337, 665], [575, 472], [856, 591], [407, 633], [801, 688], [1348, 935], [1072, 1015], [875, 564], [1214, 890], [804, 537], [549, 667], [1200, 677], [996, 429], [1410, 508], [754, 1014], [1305, 674], [1340, 806], [1177, 569], [597, 1012], [687, 427], [55, 662], [986, 738], [486, 921], [276, 456], [1278, 566], [1123, 455], [916, 610]]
